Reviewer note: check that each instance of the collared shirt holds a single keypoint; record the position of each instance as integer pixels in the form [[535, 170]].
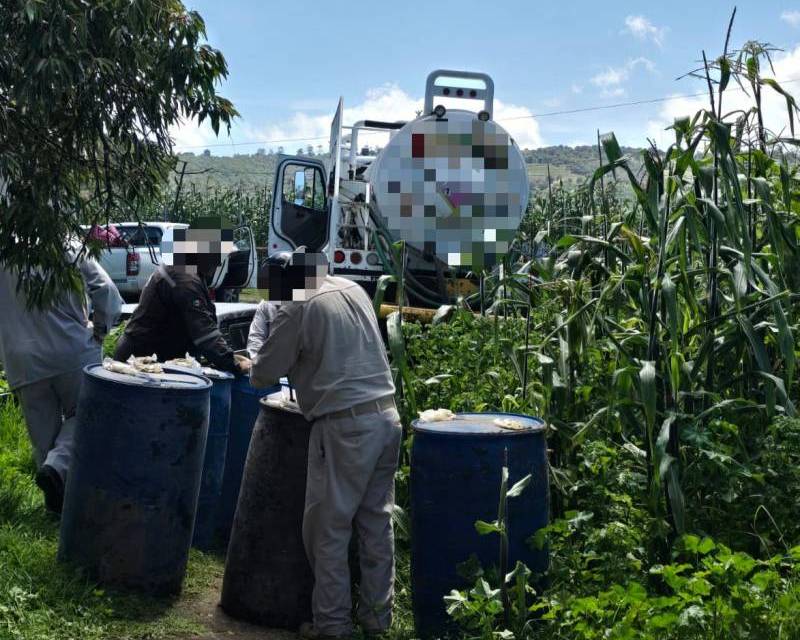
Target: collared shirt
[[38, 344], [331, 348], [175, 316]]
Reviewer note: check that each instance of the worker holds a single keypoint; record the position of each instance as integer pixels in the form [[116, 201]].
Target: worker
[[43, 352], [260, 326], [266, 309], [329, 344], [175, 314]]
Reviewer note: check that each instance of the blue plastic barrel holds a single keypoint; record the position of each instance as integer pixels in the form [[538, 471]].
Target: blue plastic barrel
[[134, 479], [456, 468], [245, 408], [208, 503]]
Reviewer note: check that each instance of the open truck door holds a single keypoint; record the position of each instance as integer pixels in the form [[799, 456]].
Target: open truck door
[[299, 216], [239, 269], [303, 193]]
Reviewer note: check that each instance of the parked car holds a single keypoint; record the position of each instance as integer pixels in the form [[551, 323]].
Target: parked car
[[234, 320], [131, 264]]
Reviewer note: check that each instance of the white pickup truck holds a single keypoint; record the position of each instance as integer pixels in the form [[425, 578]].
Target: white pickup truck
[[131, 265]]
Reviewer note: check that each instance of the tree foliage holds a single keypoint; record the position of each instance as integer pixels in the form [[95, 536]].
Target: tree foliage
[[88, 93]]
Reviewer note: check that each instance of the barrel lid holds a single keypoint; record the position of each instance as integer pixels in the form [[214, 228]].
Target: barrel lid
[[216, 374], [466, 424], [171, 378], [280, 401]]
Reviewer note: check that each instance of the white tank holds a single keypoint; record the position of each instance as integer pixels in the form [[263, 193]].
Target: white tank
[[455, 187]]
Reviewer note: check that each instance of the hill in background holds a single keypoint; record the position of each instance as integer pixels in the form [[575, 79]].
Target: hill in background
[[249, 172]]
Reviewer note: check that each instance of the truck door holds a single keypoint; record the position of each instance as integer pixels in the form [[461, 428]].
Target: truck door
[[299, 206], [239, 268]]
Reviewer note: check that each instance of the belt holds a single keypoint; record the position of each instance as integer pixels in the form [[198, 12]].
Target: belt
[[373, 406]]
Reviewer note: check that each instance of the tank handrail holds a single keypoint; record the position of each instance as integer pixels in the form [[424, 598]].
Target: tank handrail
[[471, 85], [367, 125]]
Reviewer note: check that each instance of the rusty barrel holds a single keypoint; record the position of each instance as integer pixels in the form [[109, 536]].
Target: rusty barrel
[[267, 577]]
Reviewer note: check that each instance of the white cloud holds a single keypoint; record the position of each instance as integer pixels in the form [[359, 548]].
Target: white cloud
[[576, 89], [388, 103], [642, 29], [787, 67], [189, 136], [612, 79], [791, 18], [611, 76]]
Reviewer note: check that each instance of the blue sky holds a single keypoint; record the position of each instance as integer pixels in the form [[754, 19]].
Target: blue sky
[[290, 61]]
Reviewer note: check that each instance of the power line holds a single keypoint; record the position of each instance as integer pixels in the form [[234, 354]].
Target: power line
[[625, 104], [548, 114]]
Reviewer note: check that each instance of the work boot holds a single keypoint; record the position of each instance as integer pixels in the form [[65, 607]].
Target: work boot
[[309, 632], [52, 486]]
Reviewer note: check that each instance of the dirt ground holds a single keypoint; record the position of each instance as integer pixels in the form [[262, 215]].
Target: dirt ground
[[205, 610]]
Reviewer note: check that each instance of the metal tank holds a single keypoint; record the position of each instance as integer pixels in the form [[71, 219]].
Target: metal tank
[[267, 576], [244, 412], [452, 183], [132, 488], [208, 504], [456, 468]]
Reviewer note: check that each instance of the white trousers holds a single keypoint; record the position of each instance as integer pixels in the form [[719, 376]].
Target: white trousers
[[49, 408], [351, 467]]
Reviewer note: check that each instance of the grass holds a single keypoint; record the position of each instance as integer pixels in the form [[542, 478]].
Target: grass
[[252, 295], [42, 599]]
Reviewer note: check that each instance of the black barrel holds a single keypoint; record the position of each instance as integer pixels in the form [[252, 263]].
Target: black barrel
[[267, 576], [134, 479]]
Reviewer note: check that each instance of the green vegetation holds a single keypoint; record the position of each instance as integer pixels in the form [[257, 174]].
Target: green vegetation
[[656, 336], [88, 94], [41, 599]]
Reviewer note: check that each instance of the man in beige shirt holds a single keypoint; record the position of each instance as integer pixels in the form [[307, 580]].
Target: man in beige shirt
[[329, 343]]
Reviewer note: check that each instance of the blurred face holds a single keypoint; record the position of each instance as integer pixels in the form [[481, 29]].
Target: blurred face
[[299, 280], [198, 250]]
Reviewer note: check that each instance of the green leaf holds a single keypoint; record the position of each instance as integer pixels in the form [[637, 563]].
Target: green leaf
[[669, 292], [438, 379], [443, 313], [519, 486], [380, 291], [648, 392], [611, 147], [397, 347], [483, 528], [724, 73]]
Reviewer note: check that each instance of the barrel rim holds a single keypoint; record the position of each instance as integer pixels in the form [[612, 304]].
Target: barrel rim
[[419, 427], [89, 370]]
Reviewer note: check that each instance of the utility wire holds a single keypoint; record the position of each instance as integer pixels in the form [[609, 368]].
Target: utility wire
[[547, 114]]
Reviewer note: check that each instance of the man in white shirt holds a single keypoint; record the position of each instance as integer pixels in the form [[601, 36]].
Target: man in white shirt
[[43, 353], [329, 344]]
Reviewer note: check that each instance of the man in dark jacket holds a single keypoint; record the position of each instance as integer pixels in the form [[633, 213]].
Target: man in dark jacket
[[175, 313]]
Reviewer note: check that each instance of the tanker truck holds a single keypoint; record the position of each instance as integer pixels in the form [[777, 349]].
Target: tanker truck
[[450, 183]]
